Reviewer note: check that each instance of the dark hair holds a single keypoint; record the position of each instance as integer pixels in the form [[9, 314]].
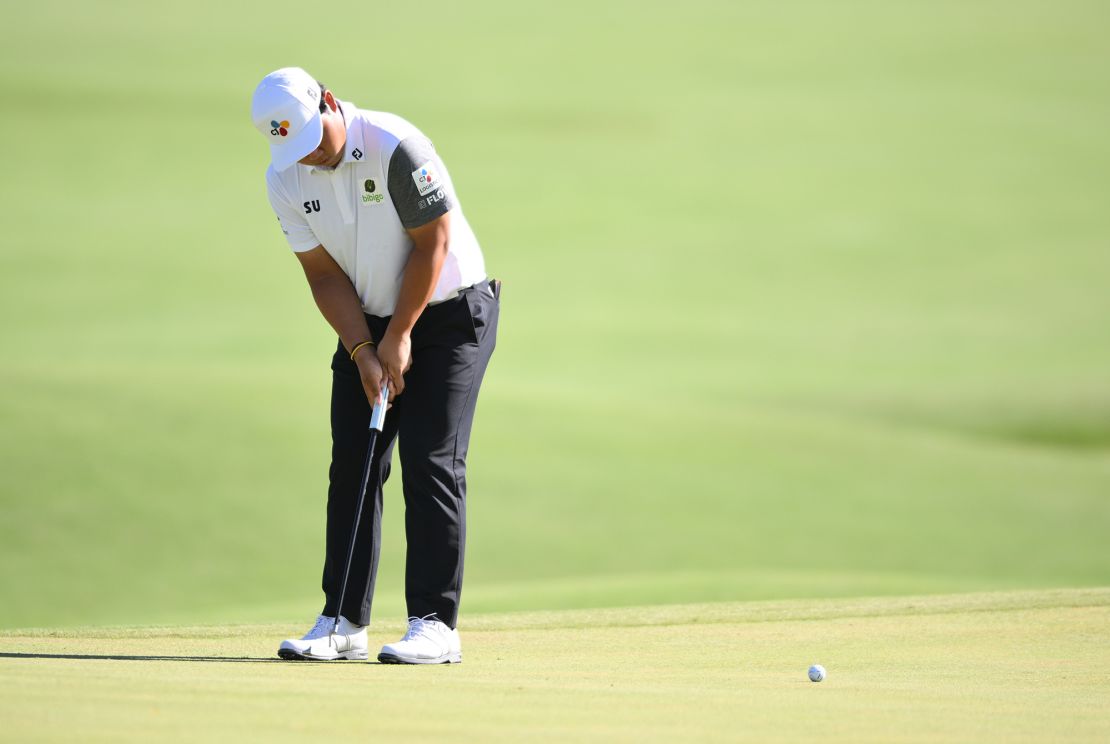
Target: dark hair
[[323, 90]]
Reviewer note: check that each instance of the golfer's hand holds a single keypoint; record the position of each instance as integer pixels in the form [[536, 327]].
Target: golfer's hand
[[370, 370], [395, 354]]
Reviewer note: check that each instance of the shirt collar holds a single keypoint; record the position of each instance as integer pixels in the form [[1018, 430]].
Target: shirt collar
[[353, 151]]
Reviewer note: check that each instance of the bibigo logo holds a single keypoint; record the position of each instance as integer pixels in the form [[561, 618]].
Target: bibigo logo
[[371, 196], [279, 128]]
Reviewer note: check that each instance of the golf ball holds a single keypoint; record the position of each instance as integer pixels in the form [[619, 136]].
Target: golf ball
[[816, 673]]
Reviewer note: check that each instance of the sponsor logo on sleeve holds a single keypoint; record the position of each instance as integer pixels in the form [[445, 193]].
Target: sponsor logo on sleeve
[[426, 179], [436, 197]]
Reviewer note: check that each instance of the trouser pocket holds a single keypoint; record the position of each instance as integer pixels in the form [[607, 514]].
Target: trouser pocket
[[484, 305]]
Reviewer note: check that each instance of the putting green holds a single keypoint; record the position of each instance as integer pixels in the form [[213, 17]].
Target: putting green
[[1014, 667]]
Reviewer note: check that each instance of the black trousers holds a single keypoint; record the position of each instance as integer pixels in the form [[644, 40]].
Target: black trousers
[[451, 346]]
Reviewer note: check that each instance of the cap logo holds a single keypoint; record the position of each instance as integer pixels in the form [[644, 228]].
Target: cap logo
[[279, 128]]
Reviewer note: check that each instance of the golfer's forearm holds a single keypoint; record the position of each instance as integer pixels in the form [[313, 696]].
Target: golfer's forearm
[[417, 285], [341, 307]]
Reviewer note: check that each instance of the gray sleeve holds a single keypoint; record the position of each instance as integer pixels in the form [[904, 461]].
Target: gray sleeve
[[418, 183]]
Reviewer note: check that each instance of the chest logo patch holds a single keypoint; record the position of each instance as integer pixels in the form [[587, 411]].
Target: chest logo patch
[[370, 193], [426, 178]]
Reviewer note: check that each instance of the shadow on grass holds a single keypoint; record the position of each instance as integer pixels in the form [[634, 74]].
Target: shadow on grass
[[120, 657]]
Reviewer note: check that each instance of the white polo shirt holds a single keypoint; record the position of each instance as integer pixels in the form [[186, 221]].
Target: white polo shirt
[[390, 179]]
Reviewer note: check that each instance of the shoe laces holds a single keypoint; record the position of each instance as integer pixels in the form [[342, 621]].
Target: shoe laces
[[323, 627], [422, 626]]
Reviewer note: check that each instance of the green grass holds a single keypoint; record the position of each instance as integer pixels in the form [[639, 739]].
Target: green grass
[[802, 299], [1014, 667]]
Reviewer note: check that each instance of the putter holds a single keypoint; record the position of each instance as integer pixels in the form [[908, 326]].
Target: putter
[[377, 419]]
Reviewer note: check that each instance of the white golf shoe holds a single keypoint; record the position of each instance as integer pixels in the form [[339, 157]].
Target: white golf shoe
[[321, 645], [426, 642]]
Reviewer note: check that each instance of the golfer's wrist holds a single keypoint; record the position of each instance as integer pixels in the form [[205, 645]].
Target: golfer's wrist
[[395, 336], [360, 348]]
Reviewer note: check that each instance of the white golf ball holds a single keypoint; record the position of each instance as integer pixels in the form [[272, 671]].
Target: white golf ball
[[816, 673]]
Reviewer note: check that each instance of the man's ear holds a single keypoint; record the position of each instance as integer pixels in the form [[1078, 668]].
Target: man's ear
[[329, 99]]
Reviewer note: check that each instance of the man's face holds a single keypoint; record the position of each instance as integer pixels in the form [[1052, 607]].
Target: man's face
[[330, 150]]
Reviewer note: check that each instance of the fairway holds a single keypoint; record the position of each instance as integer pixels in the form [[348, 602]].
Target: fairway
[[883, 330], [1012, 667]]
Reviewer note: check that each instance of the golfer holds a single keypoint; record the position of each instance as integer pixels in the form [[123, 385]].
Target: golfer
[[368, 208]]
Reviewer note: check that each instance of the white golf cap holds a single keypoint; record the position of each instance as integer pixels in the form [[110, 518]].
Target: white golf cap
[[286, 109]]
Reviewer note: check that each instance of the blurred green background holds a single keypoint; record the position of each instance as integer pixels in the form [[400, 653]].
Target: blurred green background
[[801, 299]]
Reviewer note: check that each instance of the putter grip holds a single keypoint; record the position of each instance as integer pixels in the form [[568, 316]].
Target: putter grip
[[377, 417]]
